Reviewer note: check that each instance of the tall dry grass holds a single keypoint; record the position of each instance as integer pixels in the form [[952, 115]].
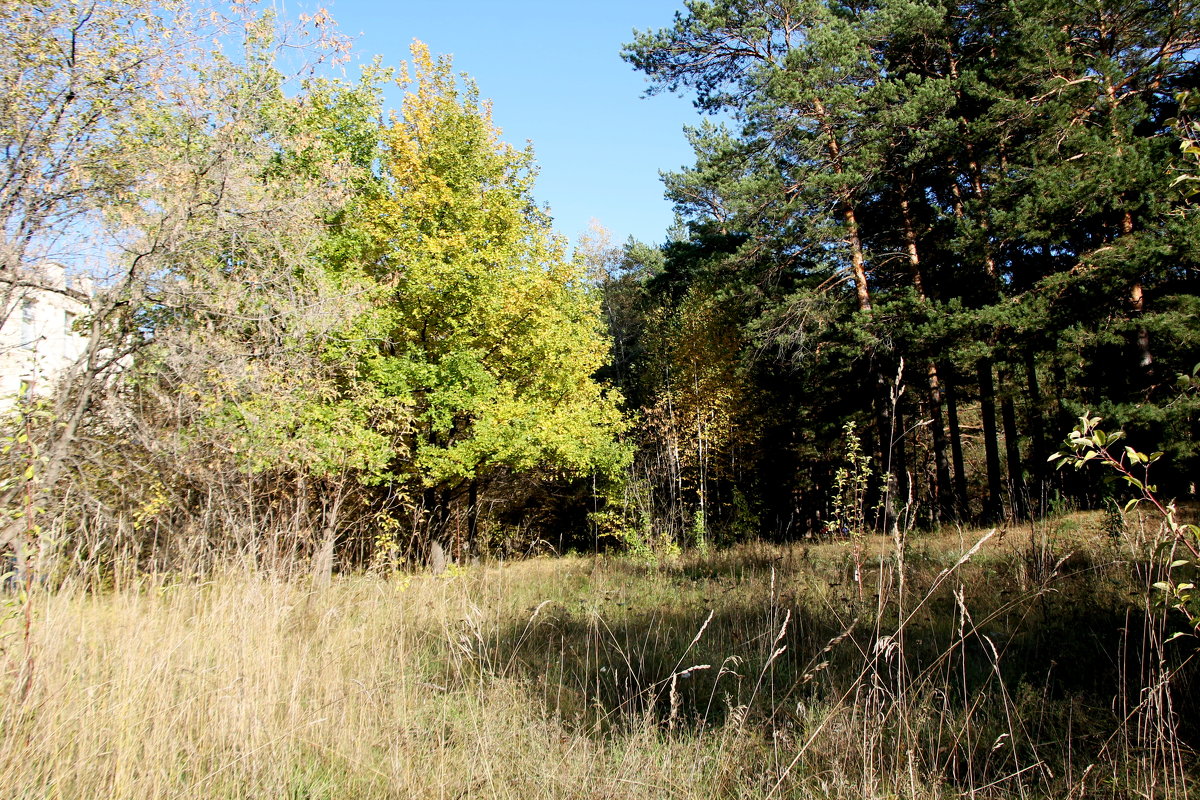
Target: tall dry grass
[[1028, 666]]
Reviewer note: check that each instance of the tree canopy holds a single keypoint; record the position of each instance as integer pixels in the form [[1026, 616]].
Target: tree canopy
[[345, 324]]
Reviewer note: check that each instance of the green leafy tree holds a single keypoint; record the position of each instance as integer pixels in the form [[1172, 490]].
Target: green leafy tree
[[478, 320]]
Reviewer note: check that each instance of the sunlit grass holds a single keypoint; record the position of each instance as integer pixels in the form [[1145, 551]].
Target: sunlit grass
[[756, 671]]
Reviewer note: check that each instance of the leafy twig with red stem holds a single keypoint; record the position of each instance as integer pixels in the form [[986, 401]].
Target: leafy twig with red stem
[[1087, 442]]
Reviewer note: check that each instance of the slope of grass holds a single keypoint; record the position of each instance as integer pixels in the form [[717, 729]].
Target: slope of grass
[[1025, 667]]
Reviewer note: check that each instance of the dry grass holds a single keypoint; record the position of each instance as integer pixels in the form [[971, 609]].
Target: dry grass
[[754, 672]]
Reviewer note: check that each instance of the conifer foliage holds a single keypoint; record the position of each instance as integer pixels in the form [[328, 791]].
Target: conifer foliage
[[958, 223]]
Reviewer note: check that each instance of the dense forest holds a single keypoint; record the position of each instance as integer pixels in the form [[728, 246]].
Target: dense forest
[[958, 225], [919, 240]]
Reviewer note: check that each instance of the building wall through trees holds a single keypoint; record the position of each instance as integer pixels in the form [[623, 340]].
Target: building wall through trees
[[38, 341]]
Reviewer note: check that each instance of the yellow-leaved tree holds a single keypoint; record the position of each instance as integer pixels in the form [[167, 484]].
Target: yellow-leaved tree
[[477, 318]]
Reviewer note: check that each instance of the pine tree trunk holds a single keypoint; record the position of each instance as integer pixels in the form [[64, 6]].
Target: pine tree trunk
[[961, 505], [862, 292], [858, 262], [1137, 304], [1012, 447], [993, 506], [900, 475], [942, 490], [1038, 451], [883, 452]]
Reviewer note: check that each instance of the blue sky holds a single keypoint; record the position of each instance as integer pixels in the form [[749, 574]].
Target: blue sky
[[554, 73]]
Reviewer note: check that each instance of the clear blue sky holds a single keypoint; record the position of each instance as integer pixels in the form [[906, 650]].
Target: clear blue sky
[[554, 73]]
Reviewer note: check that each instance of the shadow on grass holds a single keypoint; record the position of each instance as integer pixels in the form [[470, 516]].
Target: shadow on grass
[[1005, 669]]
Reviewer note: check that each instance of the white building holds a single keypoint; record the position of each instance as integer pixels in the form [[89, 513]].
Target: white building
[[38, 340]]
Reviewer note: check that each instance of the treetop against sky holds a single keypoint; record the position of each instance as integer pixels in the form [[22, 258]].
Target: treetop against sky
[[554, 73]]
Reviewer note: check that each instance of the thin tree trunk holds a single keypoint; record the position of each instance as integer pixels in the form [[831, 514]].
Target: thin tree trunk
[[473, 517], [443, 513], [884, 452], [431, 510], [858, 261], [1038, 451], [1012, 447], [900, 474], [322, 570], [993, 506], [1137, 300], [961, 505], [1137, 304], [942, 489]]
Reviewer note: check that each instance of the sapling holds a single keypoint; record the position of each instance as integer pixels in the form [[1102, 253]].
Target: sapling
[[1180, 542]]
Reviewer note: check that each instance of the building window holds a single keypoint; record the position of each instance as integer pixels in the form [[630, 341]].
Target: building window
[[27, 335]]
